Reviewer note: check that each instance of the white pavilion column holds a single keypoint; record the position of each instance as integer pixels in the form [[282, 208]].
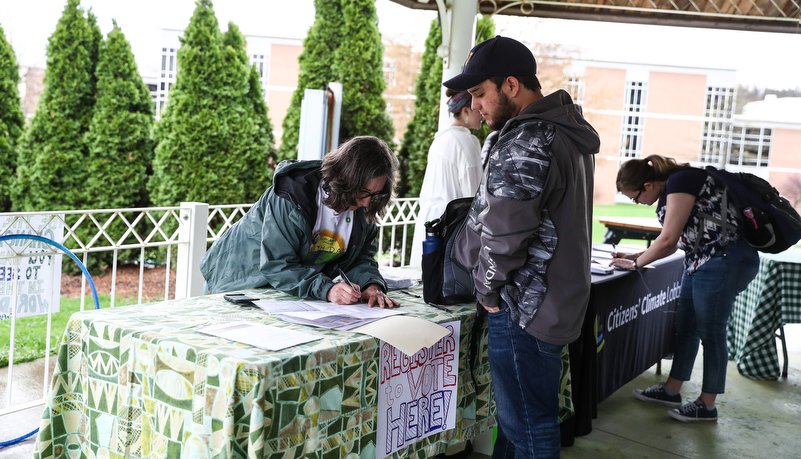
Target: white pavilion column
[[458, 36]]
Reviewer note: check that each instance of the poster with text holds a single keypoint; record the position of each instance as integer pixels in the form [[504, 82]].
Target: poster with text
[[417, 394], [34, 266]]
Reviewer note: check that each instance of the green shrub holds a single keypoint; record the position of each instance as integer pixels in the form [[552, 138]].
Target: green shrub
[[12, 121], [51, 168], [315, 67], [207, 140], [358, 63]]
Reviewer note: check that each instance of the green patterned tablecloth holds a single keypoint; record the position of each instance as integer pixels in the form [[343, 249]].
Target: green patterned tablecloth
[[773, 298], [138, 381]]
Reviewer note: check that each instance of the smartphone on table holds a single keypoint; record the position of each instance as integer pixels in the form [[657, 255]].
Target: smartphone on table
[[240, 299]]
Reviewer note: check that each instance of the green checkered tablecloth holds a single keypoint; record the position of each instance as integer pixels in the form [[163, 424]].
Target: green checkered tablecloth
[[773, 298], [138, 381]]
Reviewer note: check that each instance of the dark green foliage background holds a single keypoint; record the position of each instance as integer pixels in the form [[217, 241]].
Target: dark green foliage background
[[209, 145], [424, 124], [11, 119], [120, 144], [343, 45], [358, 62], [51, 172], [315, 68]]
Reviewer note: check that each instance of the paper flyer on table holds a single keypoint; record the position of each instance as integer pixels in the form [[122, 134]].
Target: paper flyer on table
[[326, 315], [259, 335], [417, 393], [408, 334], [398, 278]]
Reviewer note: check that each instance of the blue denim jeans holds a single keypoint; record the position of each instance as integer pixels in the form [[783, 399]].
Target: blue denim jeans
[[526, 375], [705, 304]]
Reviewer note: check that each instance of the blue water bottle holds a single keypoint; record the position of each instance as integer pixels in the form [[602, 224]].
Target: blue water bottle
[[432, 242]]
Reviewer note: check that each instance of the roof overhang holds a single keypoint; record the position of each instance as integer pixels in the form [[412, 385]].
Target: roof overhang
[[782, 16]]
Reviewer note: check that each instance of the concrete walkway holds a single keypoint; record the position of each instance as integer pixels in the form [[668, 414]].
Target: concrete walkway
[[757, 419], [27, 386]]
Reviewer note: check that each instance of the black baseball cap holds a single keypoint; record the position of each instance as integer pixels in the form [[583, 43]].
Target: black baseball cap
[[499, 56]]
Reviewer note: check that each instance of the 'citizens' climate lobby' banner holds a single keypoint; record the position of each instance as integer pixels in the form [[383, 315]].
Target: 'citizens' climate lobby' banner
[[417, 394]]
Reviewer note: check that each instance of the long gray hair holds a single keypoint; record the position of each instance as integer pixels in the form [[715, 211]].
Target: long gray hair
[[348, 169]]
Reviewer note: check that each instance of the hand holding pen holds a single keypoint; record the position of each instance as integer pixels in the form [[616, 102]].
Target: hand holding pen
[[373, 294], [344, 292]]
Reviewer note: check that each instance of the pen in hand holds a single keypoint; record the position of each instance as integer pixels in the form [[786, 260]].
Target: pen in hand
[[345, 278]]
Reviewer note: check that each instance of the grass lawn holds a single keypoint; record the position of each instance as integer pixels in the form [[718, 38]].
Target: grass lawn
[[31, 332], [618, 210]]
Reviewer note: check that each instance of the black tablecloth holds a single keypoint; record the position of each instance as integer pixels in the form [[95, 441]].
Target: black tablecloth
[[627, 329]]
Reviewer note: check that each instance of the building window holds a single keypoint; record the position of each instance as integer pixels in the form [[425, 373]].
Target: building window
[[750, 146], [262, 63], [717, 124], [169, 69], [575, 87], [633, 121]]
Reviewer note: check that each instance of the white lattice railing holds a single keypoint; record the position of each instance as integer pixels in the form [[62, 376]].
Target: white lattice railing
[[175, 237]]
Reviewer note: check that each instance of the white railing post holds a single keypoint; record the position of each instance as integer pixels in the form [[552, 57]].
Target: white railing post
[[194, 220]]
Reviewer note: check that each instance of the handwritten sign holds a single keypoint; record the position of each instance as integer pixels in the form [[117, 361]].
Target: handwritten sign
[[417, 394], [30, 265]]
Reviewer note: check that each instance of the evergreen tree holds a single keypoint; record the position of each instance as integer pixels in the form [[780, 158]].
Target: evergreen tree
[[120, 147], [316, 69], [12, 121], [265, 166], [485, 29], [206, 130], [258, 145], [424, 124], [119, 135], [51, 172], [358, 62]]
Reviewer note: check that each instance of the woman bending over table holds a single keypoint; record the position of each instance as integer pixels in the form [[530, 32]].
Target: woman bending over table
[[316, 220], [718, 264]]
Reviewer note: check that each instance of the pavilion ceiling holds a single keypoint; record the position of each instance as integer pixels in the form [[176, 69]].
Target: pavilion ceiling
[[783, 16]]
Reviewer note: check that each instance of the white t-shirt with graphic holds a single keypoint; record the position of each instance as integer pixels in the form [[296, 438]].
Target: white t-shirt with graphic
[[330, 235]]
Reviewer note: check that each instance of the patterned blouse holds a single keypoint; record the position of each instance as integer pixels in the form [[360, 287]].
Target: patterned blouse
[[708, 198]]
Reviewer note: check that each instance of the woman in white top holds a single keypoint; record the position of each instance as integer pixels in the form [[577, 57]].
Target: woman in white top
[[454, 166]]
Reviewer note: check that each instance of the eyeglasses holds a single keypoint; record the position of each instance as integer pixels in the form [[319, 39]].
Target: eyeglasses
[[636, 199], [374, 197]]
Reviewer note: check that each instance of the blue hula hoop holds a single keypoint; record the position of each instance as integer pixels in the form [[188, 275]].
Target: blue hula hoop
[[85, 272]]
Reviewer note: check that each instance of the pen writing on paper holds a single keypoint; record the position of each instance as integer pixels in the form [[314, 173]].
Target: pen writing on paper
[[345, 278]]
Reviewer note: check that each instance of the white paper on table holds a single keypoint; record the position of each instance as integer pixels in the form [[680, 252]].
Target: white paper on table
[[362, 311], [398, 278], [407, 334], [600, 269], [601, 256], [335, 322], [278, 306], [259, 335], [622, 248]]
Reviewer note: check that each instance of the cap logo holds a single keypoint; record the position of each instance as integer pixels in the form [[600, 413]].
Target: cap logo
[[468, 58]]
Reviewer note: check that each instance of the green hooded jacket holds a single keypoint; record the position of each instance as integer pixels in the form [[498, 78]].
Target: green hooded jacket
[[267, 246]]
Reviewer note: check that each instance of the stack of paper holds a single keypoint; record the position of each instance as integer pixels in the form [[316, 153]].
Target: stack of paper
[[600, 269], [325, 315], [398, 278]]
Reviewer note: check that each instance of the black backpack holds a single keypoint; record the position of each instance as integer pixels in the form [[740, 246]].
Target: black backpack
[[445, 280], [770, 224]]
